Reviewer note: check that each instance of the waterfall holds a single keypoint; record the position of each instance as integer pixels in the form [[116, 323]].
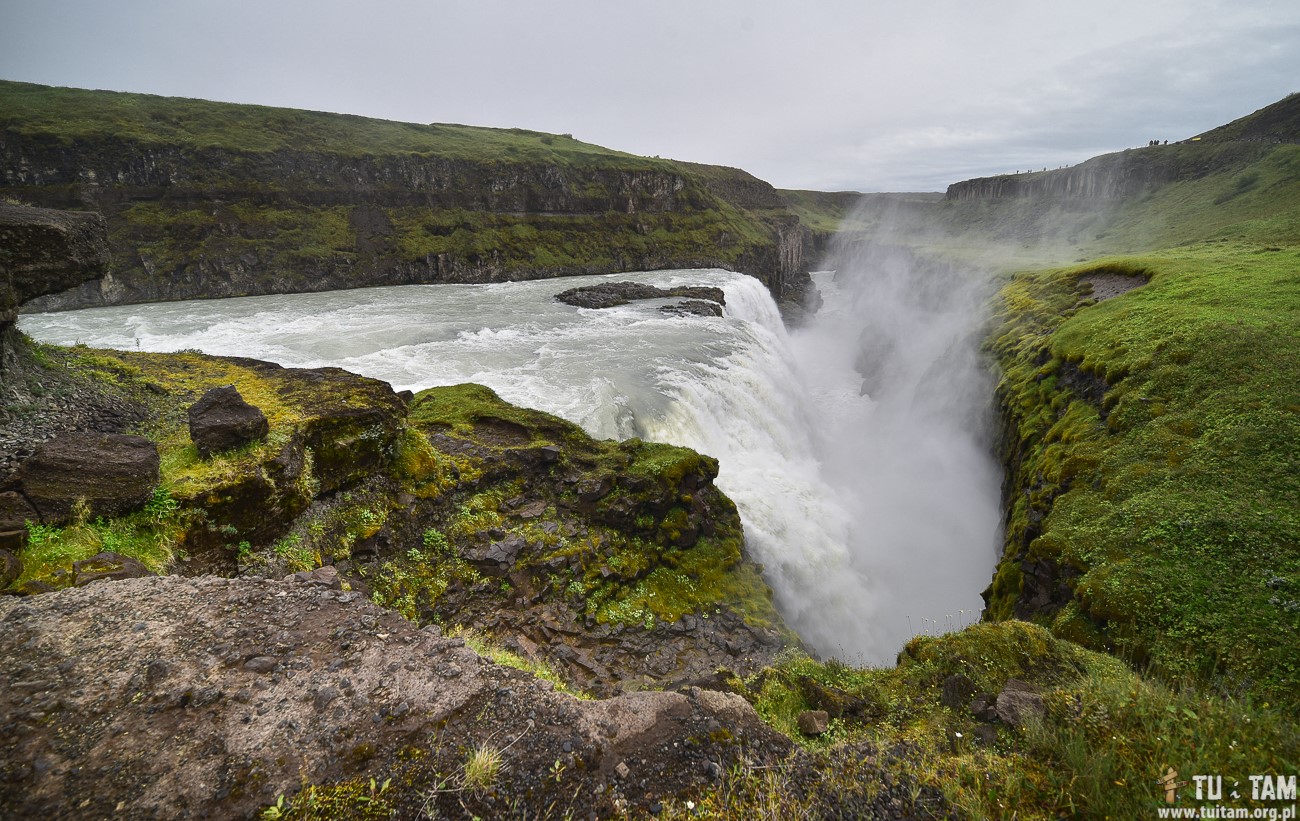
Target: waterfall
[[904, 401], [822, 475]]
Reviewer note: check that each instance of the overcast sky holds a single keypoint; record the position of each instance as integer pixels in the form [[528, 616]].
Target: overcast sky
[[868, 95]]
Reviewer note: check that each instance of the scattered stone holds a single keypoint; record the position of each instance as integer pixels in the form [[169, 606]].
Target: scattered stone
[[622, 769], [1018, 704], [982, 706], [261, 664], [326, 577], [591, 490], [813, 722], [533, 509], [506, 550], [222, 420], [324, 697], [107, 566], [113, 473], [984, 735]]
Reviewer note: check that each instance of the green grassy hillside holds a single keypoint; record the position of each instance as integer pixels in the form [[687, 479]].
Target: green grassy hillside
[[1164, 481], [73, 115], [1152, 436], [207, 199], [1255, 200]]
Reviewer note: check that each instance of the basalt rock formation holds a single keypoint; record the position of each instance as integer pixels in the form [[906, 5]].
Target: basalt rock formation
[[612, 294], [618, 564], [211, 200]]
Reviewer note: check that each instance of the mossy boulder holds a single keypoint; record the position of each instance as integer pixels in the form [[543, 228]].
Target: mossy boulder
[[222, 420], [110, 473], [107, 566]]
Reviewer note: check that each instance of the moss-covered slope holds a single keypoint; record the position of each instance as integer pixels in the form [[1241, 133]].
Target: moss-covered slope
[[1156, 482]]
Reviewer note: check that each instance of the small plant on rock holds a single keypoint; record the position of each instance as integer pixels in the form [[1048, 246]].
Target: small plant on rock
[[482, 768]]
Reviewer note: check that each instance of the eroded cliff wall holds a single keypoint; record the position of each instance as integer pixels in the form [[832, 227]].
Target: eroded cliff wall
[[210, 200], [1117, 176]]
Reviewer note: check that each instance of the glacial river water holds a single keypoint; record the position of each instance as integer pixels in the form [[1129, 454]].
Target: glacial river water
[[783, 413]]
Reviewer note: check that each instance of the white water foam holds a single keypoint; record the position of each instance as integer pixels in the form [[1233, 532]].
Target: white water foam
[[784, 415]]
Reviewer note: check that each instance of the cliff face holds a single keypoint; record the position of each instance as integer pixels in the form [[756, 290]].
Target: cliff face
[[1116, 176], [106, 171], [42, 252], [198, 212]]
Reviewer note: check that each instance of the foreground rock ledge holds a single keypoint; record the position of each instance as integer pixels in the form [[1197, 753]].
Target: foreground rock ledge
[[178, 697]]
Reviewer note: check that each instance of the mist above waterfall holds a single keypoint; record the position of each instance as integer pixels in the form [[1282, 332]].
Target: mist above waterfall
[[892, 364]]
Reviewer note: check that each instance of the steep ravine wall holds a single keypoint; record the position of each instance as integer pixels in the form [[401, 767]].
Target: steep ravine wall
[[193, 222], [1110, 177]]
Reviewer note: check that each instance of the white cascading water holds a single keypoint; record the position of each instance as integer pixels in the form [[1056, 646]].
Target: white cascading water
[[783, 414]]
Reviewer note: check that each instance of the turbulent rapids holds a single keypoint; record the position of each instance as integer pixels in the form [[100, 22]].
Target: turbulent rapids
[[859, 506]]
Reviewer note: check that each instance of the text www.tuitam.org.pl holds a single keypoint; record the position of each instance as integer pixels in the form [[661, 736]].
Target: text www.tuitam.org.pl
[[1219, 811]]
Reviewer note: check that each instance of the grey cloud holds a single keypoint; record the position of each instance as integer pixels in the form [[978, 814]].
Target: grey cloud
[[833, 94]]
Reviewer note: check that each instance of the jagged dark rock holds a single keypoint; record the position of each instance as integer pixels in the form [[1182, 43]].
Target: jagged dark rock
[[15, 511], [1046, 587], [611, 294], [46, 251], [693, 307], [112, 473], [957, 692], [813, 722], [983, 706], [222, 420]]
